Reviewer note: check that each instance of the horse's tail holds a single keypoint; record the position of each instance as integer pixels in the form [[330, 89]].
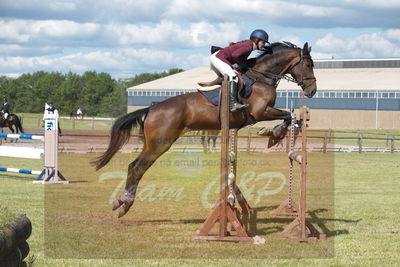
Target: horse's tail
[[120, 134], [18, 124]]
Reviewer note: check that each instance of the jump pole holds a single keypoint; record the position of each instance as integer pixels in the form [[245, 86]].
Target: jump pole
[[50, 174], [301, 229], [22, 136], [224, 211]]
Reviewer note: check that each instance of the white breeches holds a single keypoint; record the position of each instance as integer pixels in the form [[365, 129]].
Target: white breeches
[[221, 68]]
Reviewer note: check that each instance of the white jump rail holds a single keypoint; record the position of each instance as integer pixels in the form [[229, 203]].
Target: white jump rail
[[22, 136]]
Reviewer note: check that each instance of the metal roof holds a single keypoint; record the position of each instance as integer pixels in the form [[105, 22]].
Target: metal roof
[[334, 74], [357, 63]]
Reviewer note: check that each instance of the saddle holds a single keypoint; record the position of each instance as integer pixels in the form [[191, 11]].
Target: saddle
[[3, 117]]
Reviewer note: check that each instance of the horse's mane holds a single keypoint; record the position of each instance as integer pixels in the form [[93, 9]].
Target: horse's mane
[[283, 45], [271, 49], [276, 47]]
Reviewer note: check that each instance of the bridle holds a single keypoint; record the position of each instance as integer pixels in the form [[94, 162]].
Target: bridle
[[277, 77]]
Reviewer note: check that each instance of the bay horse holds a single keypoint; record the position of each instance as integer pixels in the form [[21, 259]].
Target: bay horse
[[74, 114], [162, 124], [13, 120]]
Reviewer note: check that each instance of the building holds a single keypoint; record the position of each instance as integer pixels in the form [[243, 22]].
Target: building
[[352, 93]]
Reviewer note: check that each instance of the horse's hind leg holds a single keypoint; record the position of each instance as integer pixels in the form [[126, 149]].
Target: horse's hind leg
[[12, 131], [214, 144], [156, 144]]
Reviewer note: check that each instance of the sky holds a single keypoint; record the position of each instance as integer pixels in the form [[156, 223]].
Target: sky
[[129, 37]]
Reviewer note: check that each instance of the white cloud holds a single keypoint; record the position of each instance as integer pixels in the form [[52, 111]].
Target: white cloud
[[167, 34], [292, 39], [24, 31], [164, 34], [118, 61], [393, 35], [42, 4], [18, 50], [130, 36], [372, 3], [126, 61], [13, 31], [315, 14], [256, 9], [378, 44], [349, 3], [63, 29]]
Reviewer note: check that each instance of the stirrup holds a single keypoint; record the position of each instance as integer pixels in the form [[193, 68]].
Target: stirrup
[[235, 106]]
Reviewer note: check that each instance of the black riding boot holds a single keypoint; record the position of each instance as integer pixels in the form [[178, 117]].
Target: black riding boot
[[233, 103]]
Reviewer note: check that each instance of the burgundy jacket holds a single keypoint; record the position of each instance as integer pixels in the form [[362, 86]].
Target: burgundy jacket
[[236, 53]]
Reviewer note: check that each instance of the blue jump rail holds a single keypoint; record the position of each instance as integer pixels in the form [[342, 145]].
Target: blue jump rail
[[20, 171], [22, 136]]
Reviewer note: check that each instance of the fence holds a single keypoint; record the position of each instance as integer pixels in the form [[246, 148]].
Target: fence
[[319, 141], [87, 123]]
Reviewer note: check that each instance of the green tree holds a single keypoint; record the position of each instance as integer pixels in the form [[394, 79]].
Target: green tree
[[96, 93], [70, 93]]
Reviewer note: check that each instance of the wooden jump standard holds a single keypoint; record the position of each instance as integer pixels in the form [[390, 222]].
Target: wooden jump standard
[[225, 211], [289, 207], [300, 229]]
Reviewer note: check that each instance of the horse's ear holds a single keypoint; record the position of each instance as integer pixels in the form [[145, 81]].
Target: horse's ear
[[305, 48]]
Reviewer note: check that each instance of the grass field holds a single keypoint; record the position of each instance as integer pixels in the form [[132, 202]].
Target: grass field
[[353, 197]]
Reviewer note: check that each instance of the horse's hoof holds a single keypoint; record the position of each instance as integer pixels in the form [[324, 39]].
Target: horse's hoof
[[116, 204], [264, 132], [121, 212]]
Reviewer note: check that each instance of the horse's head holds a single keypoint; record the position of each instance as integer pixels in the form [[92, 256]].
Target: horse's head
[[302, 71], [285, 58]]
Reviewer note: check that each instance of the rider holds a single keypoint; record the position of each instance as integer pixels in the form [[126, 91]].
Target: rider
[[5, 109], [51, 108], [223, 59], [79, 112]]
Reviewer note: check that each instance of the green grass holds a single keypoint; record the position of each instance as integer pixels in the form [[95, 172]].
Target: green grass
[[74, 226], [5, 217]]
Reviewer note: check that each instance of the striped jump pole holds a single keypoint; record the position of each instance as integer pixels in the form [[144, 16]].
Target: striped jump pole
[[20, 171], [22, 136]]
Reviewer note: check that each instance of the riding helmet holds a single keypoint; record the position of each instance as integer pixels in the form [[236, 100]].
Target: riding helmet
[[259, 34]]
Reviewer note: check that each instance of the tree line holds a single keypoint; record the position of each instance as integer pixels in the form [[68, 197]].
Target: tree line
[[97, 94]]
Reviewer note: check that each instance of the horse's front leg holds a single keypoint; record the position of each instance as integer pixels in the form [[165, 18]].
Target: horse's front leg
[[271, 114], [278, 132]]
